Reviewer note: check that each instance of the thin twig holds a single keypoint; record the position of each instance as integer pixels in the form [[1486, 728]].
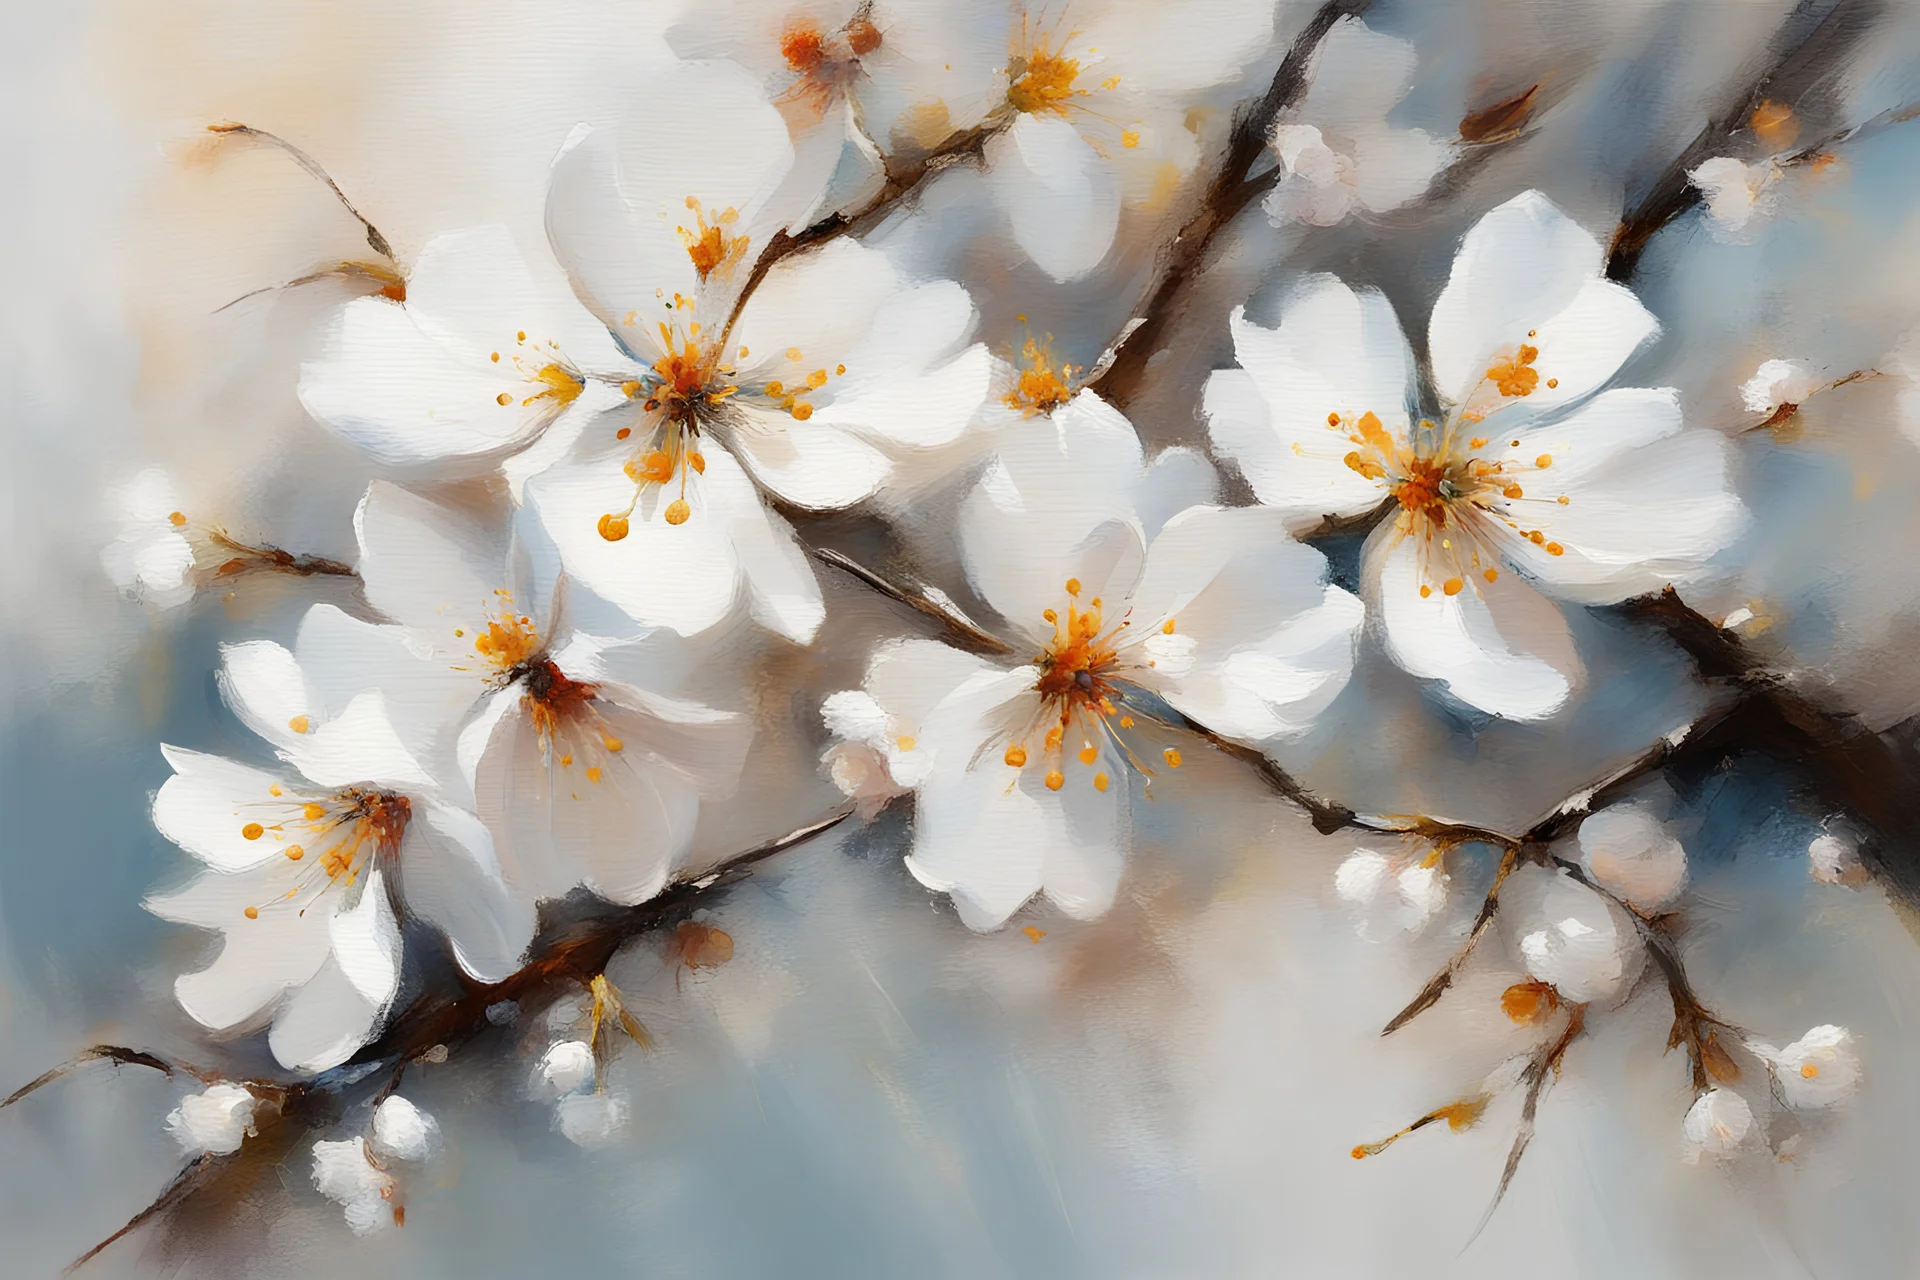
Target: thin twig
[[375, 240], [1543, 1066], [274, 560], [963, 628], [184, 1184], [1438, 984], [101, 1053]]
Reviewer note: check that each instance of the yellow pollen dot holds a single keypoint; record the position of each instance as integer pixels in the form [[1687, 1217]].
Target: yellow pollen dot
[[677, 512], [1563, 500], [495, 357], [802, 411], [630, 389], [793, 353], [1552, 383], [1172, 757], [623, 433], [593, 773], [1166, 628], [698, 462], [1555, 549], [1088, 755], [840, 370], [1100, 781], [613, 528], [743, 353], [1126, 722], [459, 631], [775, 387], [1050, 615], [906, 743], [1536, 537], [295, 853], [1333, 419], [1425, 591], [566, 761], [1808, 1071], [177, 518], [299, 724], [612, 743], [1016, 756], [314, 812], [274, 789], [1452, 586], [251, 913], [1478, 442], [1493, 575], [1513, 491], [522, 335], [1129, 138], [1544, 461], [253, 831], [1073, 586], [503, 399], [1055, 780], [817, 379]]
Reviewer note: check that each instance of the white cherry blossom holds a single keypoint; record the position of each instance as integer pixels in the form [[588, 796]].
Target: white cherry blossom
[[1736, 194], [833, 367], [152, 554], [1338, 154], [581, 771], [1819, 1070], [1778, 384], [297, 864], [358, 1173], [1533, 489], [1390, 895], [1570, 937], [1023, 767], [1627, 850], [214, 1121], [1718, 1124], [475, 364]]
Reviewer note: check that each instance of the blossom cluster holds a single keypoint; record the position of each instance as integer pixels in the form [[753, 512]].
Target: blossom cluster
[[594, 489]]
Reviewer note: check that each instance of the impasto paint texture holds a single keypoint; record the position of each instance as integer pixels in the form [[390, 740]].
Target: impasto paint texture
[[1122, 638]]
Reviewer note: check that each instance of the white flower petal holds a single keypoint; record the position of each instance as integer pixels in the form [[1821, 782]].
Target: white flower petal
[[810, 464], [1528, 268], [1718, 1124], [1626, 849], [567, 1066], [204, 807], [1335, 352], [1570, 936], [1819, 1070], [214, 1121], [1499, 646], [427, 564], [1061, 198], [453, 881]]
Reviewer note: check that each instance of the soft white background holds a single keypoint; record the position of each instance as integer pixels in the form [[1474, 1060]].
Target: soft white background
[[869, 1089]]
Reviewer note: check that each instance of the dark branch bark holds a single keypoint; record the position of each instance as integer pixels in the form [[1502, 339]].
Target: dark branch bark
[[1806, 56], [1230, 192], [100, 1053]]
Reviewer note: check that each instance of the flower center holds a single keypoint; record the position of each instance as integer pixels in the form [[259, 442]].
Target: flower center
[[1041, 78], [708, 244], [547, 375], [327, 841], [509, 639], [688, 387], [801, 45], [566, 715], [1042, 386], [1081, 689]]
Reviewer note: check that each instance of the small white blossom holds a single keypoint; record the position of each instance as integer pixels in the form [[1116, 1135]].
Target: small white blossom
[[150, 557], [591, 1119], [1569, 936], [1777, 384], [1736, 193], [401, 1131], [567, 1067], [1530, 491], [214, 1121], [1627, 850], [1833, 859], [344, 1173], [1819, 1070], [1392, 895], [1718, 1124]]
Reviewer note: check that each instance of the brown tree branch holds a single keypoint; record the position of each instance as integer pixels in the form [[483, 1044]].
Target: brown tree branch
[[1230, 192], [1802, 65]]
